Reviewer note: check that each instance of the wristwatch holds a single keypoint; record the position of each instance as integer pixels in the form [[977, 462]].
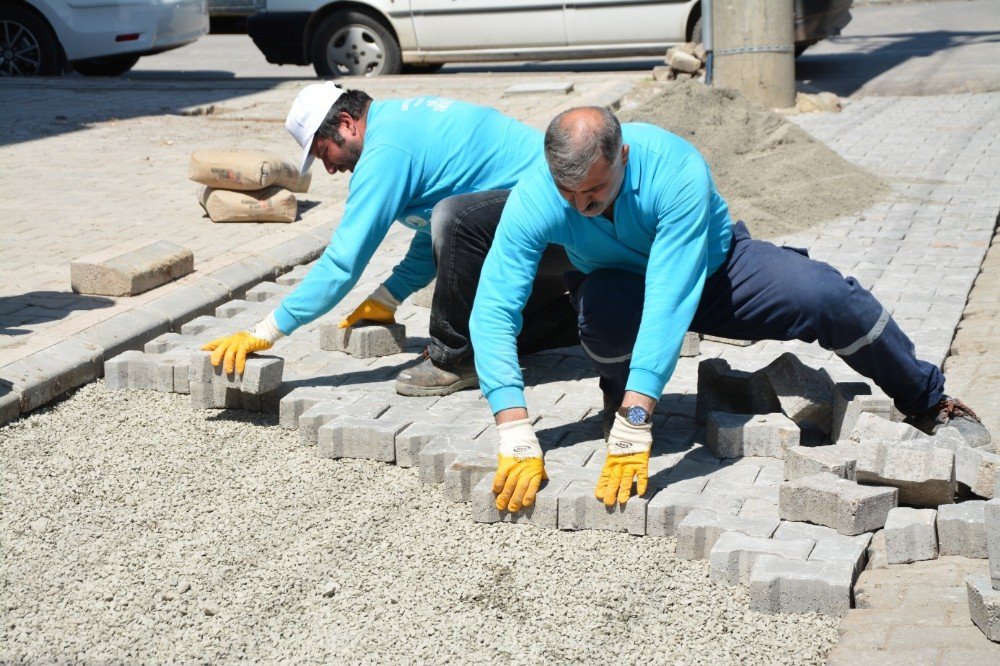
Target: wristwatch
[[635, 415]]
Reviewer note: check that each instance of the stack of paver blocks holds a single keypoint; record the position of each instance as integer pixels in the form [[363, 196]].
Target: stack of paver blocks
[[984, 588]]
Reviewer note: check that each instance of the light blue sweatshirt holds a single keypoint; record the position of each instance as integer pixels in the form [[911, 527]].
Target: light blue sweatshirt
[[670, 224], [416, 153]]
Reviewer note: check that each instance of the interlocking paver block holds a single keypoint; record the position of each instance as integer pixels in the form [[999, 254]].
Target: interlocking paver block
[[690, 344], [839, 459], [437, 455], [826, 499], [911, 535], [805, 395], [700, 529], [465, 473], [580, 510], [924, 475], [843, 550], [984, 605], [130, 269], [321, 413], [850, 400], [737, 435], [733, 555], [668, 508], [363, 340], [260, 375], [780, 585], [117, 369], [722, 389], [977, 469], [543, 513], [267, 290], [992, 519], [872, 427], [300, 399], [231, 309], [961, 529], [368, 439], [411, 441]]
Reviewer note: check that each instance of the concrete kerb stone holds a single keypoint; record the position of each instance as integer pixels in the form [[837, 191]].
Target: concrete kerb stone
[[839, 459], [42, 376], [10, 402], [984, 605], [130, 269], [779, 585], [733, 555], [265, 291], [580, 510], [243, 274], [294, 252], [961, 529], [543, 513], [829, 500], [911, 535], [188, 302], [737, 435], [129, 330]]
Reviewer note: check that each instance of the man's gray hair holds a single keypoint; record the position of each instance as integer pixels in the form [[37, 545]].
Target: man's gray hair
[[577, 138]]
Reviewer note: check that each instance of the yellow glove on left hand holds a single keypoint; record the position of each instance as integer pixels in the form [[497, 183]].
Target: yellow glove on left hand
[[520, 469], [380, 307], [628, 459]]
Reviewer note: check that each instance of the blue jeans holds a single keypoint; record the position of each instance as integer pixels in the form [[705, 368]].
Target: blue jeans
[[762, 292]]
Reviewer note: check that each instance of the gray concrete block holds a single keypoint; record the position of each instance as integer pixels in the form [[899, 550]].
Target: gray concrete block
[[465, 473], [700, 529], [302, 398], [757, 507], [722, 389], [734, 553], [829, 500], [214, 396], [876, 554], [321, 413], [294, 276], [992, 520], [580, 510], [804, 394], [850, 400], [129, 330], [199, 325], [689, 346], [116, 370], [911, 535], [780, 585], [925, 476], [243, 274], [46, 374], [130, 269], [842, 549], [187, 302], [737, 435], [977, 469], [10, 403], [838, 459], [363, 340], [984, 605], [961, 529], [367, 439], [411, 441], [293, 252], [440, 452], [727, 341], [181, 370], [170, 341], [543, 513], [668, 508], [266, 291], [260, 375], [873, 427], [231, 308]]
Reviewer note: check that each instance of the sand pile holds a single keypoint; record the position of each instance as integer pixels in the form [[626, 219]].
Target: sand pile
[[775, 176]]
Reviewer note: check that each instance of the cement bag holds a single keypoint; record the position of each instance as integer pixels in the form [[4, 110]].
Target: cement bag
[[245, 170], [272, 204]]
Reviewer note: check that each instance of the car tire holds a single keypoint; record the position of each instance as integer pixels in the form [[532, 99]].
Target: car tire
[[28, 46], [352, 43], [109, 66]]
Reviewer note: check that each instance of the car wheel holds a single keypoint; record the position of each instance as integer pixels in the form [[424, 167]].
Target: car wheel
[[350, 43], [27, 45], [109, 66]]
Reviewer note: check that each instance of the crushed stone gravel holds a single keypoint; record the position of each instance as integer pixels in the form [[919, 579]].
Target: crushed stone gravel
[[135, 529]]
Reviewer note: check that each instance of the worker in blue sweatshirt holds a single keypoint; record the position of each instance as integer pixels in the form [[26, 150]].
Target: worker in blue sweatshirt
[[437, 166], [657, 255]]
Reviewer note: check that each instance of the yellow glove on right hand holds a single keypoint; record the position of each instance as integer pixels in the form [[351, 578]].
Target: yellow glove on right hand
[[520, 469], [628, 459], [234, 348], [380, 307]]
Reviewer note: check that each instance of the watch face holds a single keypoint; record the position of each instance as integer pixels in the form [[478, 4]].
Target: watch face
[[636, 415]]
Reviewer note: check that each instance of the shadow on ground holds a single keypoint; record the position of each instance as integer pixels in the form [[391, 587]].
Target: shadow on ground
[[36, 307]]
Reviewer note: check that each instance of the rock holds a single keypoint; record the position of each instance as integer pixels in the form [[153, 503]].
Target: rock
[[684, 62], [663, 73], [819, 102], [330, 589]]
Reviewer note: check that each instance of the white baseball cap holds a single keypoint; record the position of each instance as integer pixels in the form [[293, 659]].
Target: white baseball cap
[[308, 111]]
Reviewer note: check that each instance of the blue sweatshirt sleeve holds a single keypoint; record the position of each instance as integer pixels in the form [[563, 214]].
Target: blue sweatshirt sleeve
[[383, 183], [416, 270], [675, 277], [504, 288]]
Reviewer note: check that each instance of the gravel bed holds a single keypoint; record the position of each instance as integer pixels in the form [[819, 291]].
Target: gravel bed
[[134, 529]]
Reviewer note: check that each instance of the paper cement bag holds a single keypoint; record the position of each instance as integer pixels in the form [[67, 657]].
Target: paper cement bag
[[245, 170], [272, 204]]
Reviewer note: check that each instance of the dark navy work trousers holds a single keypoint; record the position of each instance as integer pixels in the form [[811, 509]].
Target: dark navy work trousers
[[761, 292]]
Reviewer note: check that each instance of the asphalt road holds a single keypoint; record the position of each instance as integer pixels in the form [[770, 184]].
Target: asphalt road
[[911, 48]]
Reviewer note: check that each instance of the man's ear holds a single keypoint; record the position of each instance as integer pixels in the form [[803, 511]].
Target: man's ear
[[349, 124], [625, 154]]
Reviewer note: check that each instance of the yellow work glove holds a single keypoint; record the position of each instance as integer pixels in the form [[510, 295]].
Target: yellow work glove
[[519, 466], [233, 349], [380, 306], [628, 459]]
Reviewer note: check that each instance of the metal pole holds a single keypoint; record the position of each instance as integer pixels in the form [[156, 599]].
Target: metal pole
[[706, 38]]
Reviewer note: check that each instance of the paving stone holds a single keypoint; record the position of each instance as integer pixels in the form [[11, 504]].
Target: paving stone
[[876, 554], [804, 394], [984, 605], [872, 427], [465, 473], [40, 377], [215, 396], [992, 520], [543, 513], [722, 389], [736, 435], [757, 507], [850, 400], [690, 344], [925, 476], [440, 452], [321, 413], [734, 553], [169, 341], [130, 269], [779, 585], [843, 550], [411, 441], [129, 330], [231, 308], [701, 528], [266, 291], [367, 439], [977, 469], [539, 87], [302, 398], [961, 529], [261, 374], [10, 403], [187, 302], [911, 535], [580, 510], [826, 499], [668, 508], [363, 340], [838, 459], [116, 370], [244, 274]]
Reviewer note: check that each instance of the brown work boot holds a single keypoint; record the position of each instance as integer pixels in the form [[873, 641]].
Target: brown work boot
[[954, 413], [430, 377]]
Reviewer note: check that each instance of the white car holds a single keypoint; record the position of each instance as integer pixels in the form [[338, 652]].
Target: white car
[[94, 37]]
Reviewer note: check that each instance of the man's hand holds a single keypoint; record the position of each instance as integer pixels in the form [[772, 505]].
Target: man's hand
[[233, 349], [380, 306], [519, 466], [628, 459]]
